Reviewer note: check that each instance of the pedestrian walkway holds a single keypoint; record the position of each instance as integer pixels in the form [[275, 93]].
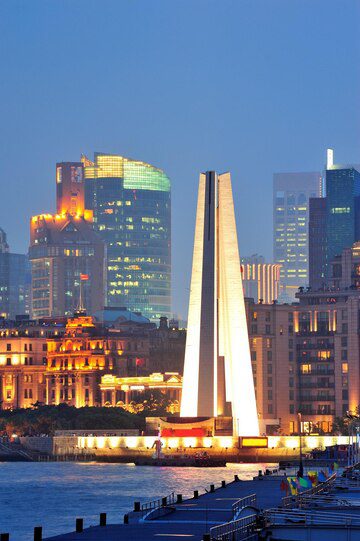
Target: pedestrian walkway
[[190, 519]]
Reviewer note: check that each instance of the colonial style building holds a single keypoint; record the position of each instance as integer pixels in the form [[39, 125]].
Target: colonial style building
[[76, 362], [23, 351], [122, 391]]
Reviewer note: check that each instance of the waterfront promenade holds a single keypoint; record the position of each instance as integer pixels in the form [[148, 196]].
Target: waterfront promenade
[[190, 519]]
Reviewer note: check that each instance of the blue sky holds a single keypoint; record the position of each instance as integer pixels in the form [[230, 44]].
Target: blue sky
[[250, 86]]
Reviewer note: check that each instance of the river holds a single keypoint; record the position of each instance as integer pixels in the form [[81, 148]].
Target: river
[[53, 494]]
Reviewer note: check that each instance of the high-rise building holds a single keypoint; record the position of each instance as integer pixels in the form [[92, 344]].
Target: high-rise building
[[317, 242], [67, 256], [334, 222], [291, 193], [261, 281], [14, 271], [342, 209], [217, 371], [131, 202]]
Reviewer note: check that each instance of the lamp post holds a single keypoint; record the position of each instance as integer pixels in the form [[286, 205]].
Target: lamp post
[[301, 466]]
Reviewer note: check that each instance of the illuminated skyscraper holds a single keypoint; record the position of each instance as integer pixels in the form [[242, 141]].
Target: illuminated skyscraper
[[132, 213], [291, 193], [218, 378], [14, 274], [64, 249]]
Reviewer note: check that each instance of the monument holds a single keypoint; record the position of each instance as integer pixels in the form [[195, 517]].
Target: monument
[[218, 378]]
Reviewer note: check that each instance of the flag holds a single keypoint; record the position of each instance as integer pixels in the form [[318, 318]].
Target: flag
[[284, 485], [321, 477], [336, 466], [312, 475], [293, 485], [139, 361], [305, 483], [84, 277]]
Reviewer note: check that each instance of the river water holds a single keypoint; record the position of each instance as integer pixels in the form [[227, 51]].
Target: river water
[[53, 494]]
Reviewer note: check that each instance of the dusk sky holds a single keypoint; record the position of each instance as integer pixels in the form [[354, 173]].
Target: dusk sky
[[253, 87]]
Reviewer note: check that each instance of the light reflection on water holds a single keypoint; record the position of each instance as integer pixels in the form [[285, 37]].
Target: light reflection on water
[[53, 494]]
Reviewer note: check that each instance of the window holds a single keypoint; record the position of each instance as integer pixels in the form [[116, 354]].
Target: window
[[44, 347], [291, 382], [291, 344], [269, 355], [267, 329], [344, 341], [269, 368], [291, 356], [270, 394], [8, 347], [269, 382], [254, 316], [344, 328], [267, 316], [291, 394], [345, 394], [305, 368], [292, 410], [30, 347], [270, 408], [344, 354], [253, 355], [8, 361], [344, 368], [253, 331]]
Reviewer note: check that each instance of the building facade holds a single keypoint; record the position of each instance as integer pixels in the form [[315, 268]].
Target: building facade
[[261, 281], [14, 281], [65, 252], [131, 203], [23, 354], [87, 351], [317, 243], [291, 193]]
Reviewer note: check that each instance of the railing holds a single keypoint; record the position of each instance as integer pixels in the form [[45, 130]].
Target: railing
[[307, 518], [155, 504], [299, 499], [241, 503], [236, 530]]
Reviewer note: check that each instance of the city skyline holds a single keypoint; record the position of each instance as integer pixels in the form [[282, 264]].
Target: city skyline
[[261, 128]]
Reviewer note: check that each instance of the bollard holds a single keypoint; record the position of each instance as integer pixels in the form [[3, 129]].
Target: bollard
[[179, 498], [136, 507], [102, 519], [164, 501], [79, 525], [126, 519], [206, 537], [223, 484], [196, 494], [4, 537], [212, 488], [236, 478], [38, 533]]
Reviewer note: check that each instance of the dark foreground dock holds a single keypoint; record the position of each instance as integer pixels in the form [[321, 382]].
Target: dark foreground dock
[[189, 519]]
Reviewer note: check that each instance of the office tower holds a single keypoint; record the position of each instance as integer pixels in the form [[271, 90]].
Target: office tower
[[261, 280], [291, 193], [317, 242], [14, 270], [342, 209], [217, 372], [65, 252], [131, 203], [334, 222]]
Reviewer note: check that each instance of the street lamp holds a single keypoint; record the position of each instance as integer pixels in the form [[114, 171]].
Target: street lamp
[[301, 466]]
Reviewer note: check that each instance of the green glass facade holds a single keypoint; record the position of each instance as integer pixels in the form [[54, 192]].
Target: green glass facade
[[131, 202]]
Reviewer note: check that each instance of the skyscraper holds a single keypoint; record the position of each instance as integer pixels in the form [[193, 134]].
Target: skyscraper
[[334, 222], [291, 193], [65, 251], [261, 280], [131, 202], [342, 209], [14, 270], [218, 378]]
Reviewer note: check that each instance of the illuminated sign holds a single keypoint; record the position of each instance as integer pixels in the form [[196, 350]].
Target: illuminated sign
[[254, 442]]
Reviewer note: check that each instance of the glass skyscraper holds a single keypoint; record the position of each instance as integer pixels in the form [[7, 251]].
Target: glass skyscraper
[[291, 193], [131, 204], [342, 210]]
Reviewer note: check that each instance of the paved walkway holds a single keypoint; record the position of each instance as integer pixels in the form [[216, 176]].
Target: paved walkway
[[190, 519]]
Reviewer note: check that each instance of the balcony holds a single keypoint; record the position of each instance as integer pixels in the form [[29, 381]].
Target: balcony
[[317, 398], [315, 385]]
